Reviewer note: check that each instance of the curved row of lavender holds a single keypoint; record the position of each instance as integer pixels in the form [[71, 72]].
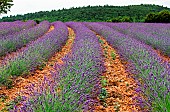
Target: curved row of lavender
[[160, 29], [8, 28], [78, 79], [151, 34], [35, 54], [152, 74], [11, 43]]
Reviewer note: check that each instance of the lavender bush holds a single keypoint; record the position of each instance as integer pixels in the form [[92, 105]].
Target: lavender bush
[[152, 74], [35, 54], [7, 28], [41, 99], [76, 82], [156, 35], [13, 42]]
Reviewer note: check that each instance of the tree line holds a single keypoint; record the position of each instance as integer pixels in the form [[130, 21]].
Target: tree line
[[130, 13]]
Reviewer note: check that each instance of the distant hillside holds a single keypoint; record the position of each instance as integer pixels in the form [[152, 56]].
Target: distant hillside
[[91, 13]]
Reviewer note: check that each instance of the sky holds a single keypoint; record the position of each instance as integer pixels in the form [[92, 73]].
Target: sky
[[29, 6]]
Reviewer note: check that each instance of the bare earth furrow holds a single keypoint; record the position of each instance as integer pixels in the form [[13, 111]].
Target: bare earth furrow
[[119, 86], [162, 56]]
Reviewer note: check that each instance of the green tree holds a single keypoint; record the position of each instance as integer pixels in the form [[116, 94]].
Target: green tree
[[161, 17], [152, 17], [121, 19], [5, 6], [126, 19], [118, 19], [164, 16]]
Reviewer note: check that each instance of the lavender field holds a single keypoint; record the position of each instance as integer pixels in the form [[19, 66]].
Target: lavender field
[[61, 67]]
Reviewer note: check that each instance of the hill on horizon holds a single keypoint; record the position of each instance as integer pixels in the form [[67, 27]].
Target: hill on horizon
[[136, 13]]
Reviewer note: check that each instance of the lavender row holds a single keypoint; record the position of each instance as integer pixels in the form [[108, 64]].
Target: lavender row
[[8, 28], [11, 43], [159, 29], [35, 54], [156, 35], [154, 75], [76, 82]]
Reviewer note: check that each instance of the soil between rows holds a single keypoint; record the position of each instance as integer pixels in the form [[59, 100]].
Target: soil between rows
[[119, 86]]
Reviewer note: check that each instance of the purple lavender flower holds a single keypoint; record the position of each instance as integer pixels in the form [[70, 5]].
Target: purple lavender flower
[[36, 53], [146, 64]]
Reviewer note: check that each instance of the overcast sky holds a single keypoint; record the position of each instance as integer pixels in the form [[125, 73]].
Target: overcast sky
[[27, 6]]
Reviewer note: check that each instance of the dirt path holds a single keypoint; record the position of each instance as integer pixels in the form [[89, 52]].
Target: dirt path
[[119, 87], [37, 77], [162, 56], [14, 54]]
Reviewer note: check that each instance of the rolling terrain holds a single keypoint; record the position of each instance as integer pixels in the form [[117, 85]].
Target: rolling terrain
[[84, 66]]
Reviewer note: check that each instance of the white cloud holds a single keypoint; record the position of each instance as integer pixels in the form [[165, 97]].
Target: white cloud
[[28, 6]]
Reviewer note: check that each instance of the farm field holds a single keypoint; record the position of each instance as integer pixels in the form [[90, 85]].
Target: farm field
[[84, 66]]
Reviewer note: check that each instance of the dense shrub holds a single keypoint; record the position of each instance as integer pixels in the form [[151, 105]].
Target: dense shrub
[[121, 19], [161, 17]]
